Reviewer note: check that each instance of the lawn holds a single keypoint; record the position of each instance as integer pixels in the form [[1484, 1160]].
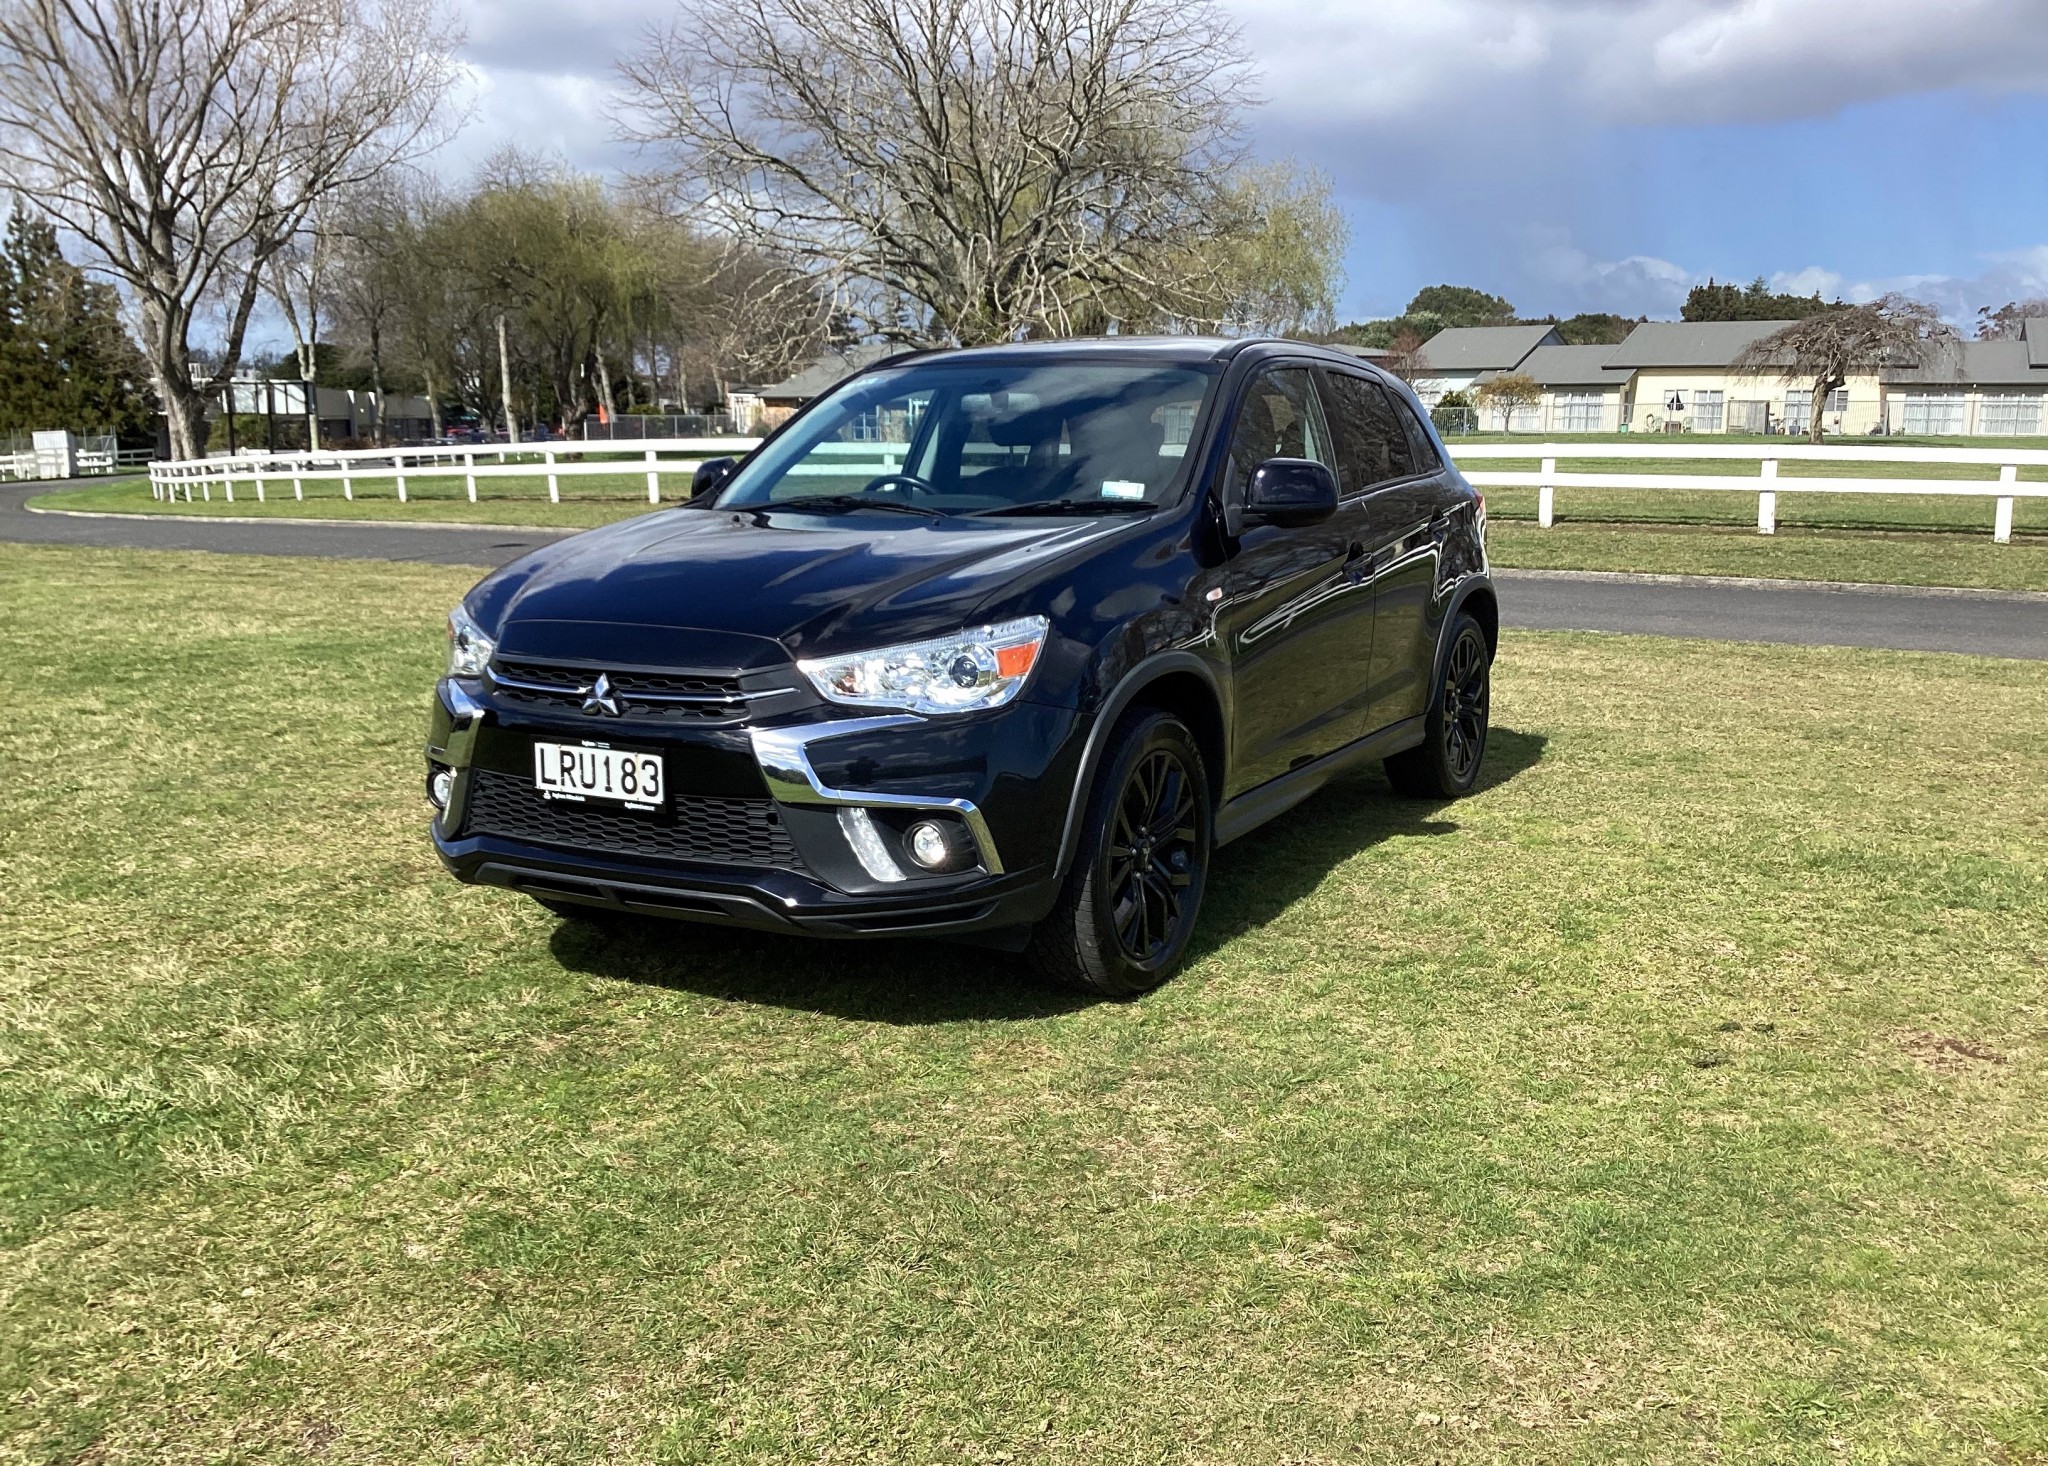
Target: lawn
[[1682, 1095]]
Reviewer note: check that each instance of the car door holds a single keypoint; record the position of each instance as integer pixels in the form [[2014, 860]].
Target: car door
[[1405, 527], [1297, 612]]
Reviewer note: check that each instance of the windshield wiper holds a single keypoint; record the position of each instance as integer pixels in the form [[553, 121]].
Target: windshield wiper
[[851, 501], [1073, 506]]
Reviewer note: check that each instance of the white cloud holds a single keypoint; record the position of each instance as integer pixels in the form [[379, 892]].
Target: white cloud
[[2007, 275], [1443, 63], [1639, 284]]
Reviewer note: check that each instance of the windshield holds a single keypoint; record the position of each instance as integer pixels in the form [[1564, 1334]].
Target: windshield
[[992, 438]]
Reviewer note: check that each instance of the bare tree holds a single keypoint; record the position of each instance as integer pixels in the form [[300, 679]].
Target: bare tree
[[2004, 323], [1890, 332], [966, 170], [186, 140]]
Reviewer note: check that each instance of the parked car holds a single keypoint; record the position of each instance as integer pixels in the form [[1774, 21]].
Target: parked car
[[996, 644]]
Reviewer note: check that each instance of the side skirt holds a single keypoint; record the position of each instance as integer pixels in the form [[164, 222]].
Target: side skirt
[[1275, 797]]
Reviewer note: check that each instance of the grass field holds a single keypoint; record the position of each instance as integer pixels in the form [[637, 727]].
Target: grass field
[[1681, 1096]]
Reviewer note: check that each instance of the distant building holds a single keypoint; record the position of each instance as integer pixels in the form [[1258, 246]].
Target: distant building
[[346, 414], [1455, 360], [1974, 389], [757, 409], [1583, 392], [1685, 380]]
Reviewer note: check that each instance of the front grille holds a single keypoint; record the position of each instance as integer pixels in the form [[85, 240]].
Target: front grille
[[668, 697], [716, 831]]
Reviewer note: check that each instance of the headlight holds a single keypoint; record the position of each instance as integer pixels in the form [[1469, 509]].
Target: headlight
[[469, 650], [981, 668]]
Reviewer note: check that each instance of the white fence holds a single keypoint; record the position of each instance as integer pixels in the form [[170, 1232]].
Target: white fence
[[377, 469], [1765, 481]]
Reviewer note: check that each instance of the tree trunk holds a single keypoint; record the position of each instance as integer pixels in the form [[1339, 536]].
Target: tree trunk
[[505, 383], [377, 381], [604, 389], [1821, 388], [185, 411], [433, 402], [309, 370]]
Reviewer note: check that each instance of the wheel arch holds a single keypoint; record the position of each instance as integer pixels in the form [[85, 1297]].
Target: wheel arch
[[1179, 683]]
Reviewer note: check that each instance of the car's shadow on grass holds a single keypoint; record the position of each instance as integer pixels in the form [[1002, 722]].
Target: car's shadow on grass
[[1251, 882]]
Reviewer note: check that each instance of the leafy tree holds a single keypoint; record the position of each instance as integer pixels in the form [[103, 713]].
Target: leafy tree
[[1824, 349], [1509, 393], [66, 361], [2004, 323], [1755, 301], [1596, 328], [1460, 305]]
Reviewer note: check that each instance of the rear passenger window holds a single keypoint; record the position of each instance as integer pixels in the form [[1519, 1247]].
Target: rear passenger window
[[1372, 443], [1427, 459]]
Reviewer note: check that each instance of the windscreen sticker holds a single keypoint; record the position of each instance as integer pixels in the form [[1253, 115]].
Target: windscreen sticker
[[1122, 488]]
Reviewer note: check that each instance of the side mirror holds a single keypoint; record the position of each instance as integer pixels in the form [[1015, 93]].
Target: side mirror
[[1290, 492], [711, 476]]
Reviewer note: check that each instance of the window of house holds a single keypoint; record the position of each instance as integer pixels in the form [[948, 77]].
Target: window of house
[[1934, 412], [1578, 412], [2009, 414]]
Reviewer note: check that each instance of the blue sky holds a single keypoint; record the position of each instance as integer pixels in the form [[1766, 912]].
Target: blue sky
[[1570, 154]]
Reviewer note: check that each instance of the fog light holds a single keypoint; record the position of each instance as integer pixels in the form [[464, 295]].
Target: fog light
[[440, 787], [929, 845]]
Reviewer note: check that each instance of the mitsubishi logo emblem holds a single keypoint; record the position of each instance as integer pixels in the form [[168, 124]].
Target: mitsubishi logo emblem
[[599, 698]]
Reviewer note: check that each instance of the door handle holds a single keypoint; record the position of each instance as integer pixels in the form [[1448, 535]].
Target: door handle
[[1356, 553], [1357, 563]]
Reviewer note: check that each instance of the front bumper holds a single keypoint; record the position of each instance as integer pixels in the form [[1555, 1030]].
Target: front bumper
[[837, 791]]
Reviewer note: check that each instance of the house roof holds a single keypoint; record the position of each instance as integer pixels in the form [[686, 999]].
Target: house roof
[[1571, 366], [2034, 331], [1484, 348], [828, 370], [1690, 343], [1969, 363]]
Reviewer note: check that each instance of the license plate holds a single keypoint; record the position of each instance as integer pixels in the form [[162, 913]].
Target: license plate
[[578, 772]]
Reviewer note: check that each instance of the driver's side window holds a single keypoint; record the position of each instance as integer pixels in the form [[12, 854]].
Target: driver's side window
[[1279, 419]]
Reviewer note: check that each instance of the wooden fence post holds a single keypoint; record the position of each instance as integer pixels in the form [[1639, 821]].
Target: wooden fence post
[[653, 479], [554, 489], [2001, 526], [398, 462], [1767, 501], [469, 473], [1546, 497]]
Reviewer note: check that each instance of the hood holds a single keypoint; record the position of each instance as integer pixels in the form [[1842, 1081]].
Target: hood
[[811, 583]]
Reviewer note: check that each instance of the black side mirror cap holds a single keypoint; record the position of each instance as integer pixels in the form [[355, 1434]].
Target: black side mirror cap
[[711, 475], [1290, 492]]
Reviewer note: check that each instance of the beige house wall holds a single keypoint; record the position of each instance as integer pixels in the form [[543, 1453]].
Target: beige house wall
[[1653, 388]]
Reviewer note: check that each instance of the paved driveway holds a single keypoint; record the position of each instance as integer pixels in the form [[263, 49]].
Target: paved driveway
[[1989, 623]]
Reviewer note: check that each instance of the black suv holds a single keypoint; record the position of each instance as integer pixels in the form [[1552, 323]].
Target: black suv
[[996, 644]]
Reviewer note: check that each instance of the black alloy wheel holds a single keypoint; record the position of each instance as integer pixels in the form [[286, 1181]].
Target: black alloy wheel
[[1446, 763], [1152, 856], [1123, 919]]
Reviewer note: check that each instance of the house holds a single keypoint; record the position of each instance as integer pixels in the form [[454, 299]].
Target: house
[[1583, 392], [1455, 360], [1685, 381], [1974, 388], [756, 409]]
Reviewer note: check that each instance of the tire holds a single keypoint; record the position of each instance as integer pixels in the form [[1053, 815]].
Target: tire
[[1445, 765], [1124, 916]]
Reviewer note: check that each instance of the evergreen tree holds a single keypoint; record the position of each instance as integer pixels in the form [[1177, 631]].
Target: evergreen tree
[[66, 361], [1715, 301]]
